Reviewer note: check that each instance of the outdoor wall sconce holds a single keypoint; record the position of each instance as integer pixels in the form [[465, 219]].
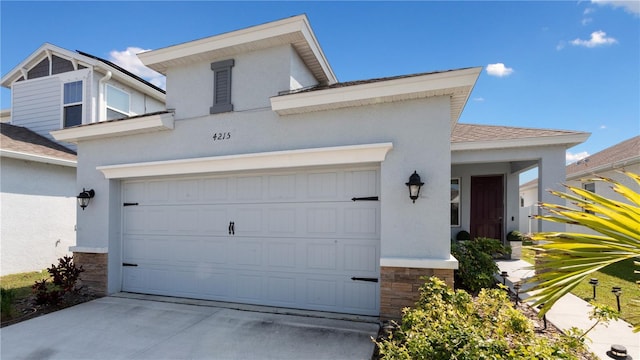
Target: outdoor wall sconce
[[594, 283], [414, 185], [84, 197]]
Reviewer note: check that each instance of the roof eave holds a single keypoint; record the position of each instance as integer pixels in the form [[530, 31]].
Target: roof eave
[[604, 167], [568, 141], [138, 125], [457, 84], [37, 158], [294, 30]]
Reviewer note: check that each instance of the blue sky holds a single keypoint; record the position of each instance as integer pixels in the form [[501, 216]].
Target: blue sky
[[562, 65]]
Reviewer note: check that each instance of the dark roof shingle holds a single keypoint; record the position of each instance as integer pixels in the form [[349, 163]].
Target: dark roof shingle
[[23, 140]]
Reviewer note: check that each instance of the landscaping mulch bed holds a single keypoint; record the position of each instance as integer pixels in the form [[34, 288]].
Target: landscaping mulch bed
[[25, 309]]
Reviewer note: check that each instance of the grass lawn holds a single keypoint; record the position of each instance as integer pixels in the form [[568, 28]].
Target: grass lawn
[[619, 274], [20, 285]]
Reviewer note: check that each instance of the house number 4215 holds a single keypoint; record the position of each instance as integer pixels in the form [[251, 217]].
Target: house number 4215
[[221, 136]]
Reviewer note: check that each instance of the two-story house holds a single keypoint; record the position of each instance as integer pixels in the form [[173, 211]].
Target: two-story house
[[53, 89], [270, 182]]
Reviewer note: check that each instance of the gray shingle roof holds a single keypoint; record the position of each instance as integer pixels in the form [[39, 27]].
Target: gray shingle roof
[[23, 140], [474, 132], [618, 154]]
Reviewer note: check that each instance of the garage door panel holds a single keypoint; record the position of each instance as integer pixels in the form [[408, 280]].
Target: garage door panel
[[281, 254], [298, 241], [322, 186]]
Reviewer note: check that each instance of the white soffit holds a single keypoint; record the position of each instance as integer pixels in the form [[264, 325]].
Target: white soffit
[[457, 84], [340, 155], [294, 30], [143, 124], [567, 140]]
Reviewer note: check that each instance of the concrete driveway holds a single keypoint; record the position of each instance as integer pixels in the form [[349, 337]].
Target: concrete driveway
[[129, 328]]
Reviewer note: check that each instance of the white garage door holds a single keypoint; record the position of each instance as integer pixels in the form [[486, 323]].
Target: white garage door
[[288, 239]]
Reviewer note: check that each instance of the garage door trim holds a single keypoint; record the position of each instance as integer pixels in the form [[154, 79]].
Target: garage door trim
[[338, 155]]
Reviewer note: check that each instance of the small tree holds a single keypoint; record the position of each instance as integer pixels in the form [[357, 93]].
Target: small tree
[[568, 258]]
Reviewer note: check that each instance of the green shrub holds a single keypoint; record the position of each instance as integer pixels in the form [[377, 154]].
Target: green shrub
[[476, 267], [6, 302], [515, 235], [463, 235], [448, 324], [65, 276]]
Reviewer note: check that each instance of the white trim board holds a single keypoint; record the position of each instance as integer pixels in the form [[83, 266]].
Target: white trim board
[[37, 158], [451, 263], [339, 155]]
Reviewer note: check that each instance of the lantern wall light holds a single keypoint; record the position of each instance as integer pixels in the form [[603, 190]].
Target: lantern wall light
[[414, 185], [85, 197]]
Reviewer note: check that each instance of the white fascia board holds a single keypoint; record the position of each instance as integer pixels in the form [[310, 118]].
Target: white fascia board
[[37, 158], [439, 84], [283, 29], [606, 167], [40, 54], [339, 155], [158, 122], [404, 262], [569, 141]]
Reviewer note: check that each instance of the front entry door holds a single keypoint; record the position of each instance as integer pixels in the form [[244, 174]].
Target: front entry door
[[487, 206]]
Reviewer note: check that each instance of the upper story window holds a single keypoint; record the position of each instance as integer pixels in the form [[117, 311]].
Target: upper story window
[[117, 103], [72, 104], [221, 86]]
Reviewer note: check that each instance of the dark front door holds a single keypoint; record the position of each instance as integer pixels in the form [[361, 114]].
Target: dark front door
[[487, 209]]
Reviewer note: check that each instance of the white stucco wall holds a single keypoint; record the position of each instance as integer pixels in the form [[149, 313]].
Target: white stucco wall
[[418, 129], [37, 212]]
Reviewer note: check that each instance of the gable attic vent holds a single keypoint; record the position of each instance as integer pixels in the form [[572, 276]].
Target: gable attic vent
[[221, 86]]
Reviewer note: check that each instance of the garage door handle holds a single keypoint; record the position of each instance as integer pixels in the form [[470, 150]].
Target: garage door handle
[[129, 264], [232, 228], [364, 279]]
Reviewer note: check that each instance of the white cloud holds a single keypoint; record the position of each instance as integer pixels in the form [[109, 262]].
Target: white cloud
[[561, 45], [603, 127], [586, 21], [128, 60], [598, 38], [588, 11], [499, 70], [630, 6], [571, 158], [479, 99]]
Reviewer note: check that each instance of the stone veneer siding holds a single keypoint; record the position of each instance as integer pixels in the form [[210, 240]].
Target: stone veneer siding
[[399, 288], [94, 277]]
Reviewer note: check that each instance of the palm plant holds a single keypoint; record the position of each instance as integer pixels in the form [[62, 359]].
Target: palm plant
[[568, 258]]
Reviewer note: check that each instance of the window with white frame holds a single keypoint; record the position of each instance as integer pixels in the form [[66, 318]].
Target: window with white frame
[[117, 102], [455, 202], [72, 104]]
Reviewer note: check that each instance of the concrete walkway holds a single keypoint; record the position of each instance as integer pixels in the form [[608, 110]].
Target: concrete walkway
[[572, 311]]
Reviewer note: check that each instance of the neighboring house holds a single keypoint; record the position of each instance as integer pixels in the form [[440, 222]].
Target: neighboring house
[[37, 200], [55, 88], [608, 163], [270, 182], [52, 89]]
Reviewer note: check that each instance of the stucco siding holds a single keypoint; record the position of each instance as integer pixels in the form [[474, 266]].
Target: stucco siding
[[256, 76], [418, 129], [38, 216], [301, 76]]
